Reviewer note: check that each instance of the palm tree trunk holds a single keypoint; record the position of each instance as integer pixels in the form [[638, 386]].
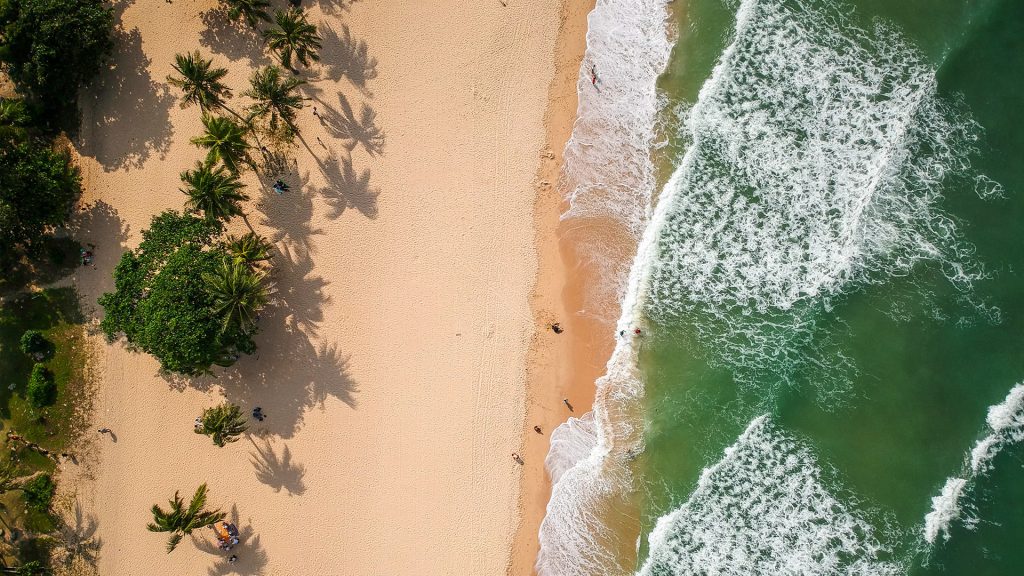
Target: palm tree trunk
[[245, 218]]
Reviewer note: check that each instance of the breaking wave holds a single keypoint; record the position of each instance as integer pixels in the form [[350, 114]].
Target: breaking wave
[[1005, 426], [765, 509], [818, 158]]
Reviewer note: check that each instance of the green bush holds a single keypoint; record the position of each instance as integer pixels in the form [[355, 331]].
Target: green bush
[[39, 492], [42, 389], [34, 344]]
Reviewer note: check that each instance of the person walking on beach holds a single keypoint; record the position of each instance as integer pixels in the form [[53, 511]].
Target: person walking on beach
[[567, 405], [104, 430], [321, 142], [517, 458], [593, 78], [316, 113], [537, 429]]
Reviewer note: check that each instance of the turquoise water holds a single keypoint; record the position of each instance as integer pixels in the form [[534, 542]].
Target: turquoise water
[[837, 291]]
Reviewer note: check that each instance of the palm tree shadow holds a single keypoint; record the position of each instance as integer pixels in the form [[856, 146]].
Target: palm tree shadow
[[278, 472], [347, 188], [336, 7], [343, 124], [343, 55], [79, 541], [129, 108], [233, 40], [290, 215]]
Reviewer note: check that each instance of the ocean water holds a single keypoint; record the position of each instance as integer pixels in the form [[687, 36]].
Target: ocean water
[[818, 207]]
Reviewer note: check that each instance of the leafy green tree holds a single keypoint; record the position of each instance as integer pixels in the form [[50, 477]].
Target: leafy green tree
[[253, 11], [42, 389], [293, 35], [160, 303], [39, 492], [53, 47], [34, 344], [224, 423], [181, 521], [224, 141], [250, 248], [38, 188], [275, 97], [214, 191], [238, 294]]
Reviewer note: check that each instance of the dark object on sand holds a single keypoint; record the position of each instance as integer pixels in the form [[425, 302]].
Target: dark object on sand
[[556, 328]]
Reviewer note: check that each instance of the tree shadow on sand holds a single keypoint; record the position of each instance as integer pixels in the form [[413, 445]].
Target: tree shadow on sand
[[347, 188], [233, 40], [252, 556], [344, 125], [336, 7], [277, 471], [79, 543], [100, 229], [128, 108], [343, 55]]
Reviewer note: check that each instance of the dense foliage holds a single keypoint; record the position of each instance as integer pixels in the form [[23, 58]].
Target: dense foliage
[[52, 47], [34, 344], [42, 388], [38, 188], [160, 303], [39, 492]]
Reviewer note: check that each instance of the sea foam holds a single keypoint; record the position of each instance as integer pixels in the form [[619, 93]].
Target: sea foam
[[609, 178], [764, 508], [1005, 426], [818, 160]]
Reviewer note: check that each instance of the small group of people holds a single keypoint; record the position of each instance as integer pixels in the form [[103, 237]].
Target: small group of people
[[227, 535], [280, 187], [258, 414]]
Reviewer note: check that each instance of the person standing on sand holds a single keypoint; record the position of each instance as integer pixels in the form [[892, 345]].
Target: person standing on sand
[[537, 429]]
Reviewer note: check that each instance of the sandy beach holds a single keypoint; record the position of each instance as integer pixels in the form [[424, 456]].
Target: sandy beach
[[393, 367]]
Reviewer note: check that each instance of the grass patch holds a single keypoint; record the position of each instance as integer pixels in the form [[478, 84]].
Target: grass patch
[[56, 314]]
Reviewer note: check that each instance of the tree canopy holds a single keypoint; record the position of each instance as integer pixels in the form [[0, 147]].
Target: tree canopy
[[161, 303], [38, 187], [53, 47]]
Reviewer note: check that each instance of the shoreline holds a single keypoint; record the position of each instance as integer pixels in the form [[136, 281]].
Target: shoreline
[[559, 365]]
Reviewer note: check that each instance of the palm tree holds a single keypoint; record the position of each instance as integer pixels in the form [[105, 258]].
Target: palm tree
[[224, 423], [293, 36], [180, 521], [252, 10], [250, 248], [238, 294], [275, 96], [200, 82], [214, 191], [224, 141]]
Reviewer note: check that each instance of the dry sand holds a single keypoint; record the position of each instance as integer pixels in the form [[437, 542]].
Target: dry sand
[[393, 366]]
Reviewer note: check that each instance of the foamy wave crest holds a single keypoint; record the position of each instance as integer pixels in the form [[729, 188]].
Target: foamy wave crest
[[609, 181], [608, 166], [818, 158], [1005, 426], [764, 509]]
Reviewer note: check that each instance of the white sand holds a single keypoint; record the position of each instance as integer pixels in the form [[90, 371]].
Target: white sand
[[392, 369]]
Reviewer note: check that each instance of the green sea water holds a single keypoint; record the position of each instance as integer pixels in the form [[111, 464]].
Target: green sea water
[[886, 382]]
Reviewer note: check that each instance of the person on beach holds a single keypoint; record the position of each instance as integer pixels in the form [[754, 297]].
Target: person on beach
[[636, 332], [258, 414], [537, 429], [233, 558], [567, 405], [316, 113], [104, 430], [517, 458], [321, 142], [556, 328]]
